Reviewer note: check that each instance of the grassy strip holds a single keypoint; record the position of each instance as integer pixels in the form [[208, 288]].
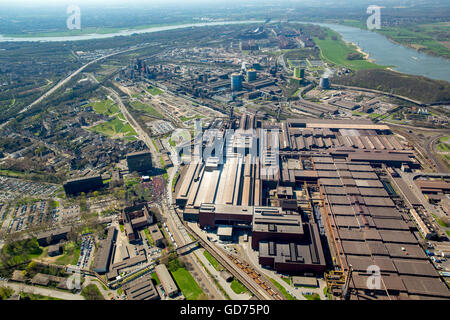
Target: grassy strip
[[34, 296], [287, 280], [282, 290], [155, 277], [213, 261], [149, 237], [215, 280], [314, 296]]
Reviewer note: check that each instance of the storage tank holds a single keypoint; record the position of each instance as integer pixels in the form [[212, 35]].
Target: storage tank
[[324, 83]]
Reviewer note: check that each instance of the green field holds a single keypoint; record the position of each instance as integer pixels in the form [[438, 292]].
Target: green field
[[444, 144], [106, 107], [92, 292], [115, 128], [336, 51], [154, 91], [70, 255], [198, 116], [146, 108], [155, 277], [238, 287], [187, 284]]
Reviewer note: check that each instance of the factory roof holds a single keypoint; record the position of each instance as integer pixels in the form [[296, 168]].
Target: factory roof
[[278, 223], [415, 267], [142, 289], [166, 279]]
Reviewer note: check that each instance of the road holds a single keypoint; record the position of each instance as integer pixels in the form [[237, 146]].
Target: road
[[225, 285], [18, 287], [181, 237], [141, 133]]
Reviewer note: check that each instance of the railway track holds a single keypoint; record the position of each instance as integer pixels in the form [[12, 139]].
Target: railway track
[[260, 288]]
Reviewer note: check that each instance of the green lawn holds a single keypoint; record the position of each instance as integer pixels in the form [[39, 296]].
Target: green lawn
[[149, 237], [146, 108], [154, 91], [198, 116], [314, 296], [238, 287], [336, 51], [444, 144], [155, 277], [34, 296], [282, 290], [106, 107], [92, 292], [187, 284], [71, 254], [115, 128]]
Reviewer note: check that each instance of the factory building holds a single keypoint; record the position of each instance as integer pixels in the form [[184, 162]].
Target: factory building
[[299, 73], [169, 286], [251, 75], [85, 184], [319, 184], [53, 237], [134, 218], [141, 289], [236, 82], [105, 252], [286, 244], [139, 161]]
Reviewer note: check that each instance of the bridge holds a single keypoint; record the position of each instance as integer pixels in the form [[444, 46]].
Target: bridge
[[181, 250]]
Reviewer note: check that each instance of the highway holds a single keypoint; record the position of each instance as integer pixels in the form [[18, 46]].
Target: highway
[[69, 77]]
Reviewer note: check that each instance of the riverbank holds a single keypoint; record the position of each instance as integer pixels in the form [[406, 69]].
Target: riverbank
[[335, 50], [420, 39], [124, 32]]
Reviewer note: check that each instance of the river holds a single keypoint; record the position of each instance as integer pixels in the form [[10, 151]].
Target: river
[[385, 52], [381, 50]]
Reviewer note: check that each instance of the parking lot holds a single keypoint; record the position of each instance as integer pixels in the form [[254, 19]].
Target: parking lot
[[86, 251], [160, 127], [11, 187], [21, 218]]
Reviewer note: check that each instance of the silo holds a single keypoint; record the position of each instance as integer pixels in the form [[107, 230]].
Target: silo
[[324, 83], [251, 75]]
